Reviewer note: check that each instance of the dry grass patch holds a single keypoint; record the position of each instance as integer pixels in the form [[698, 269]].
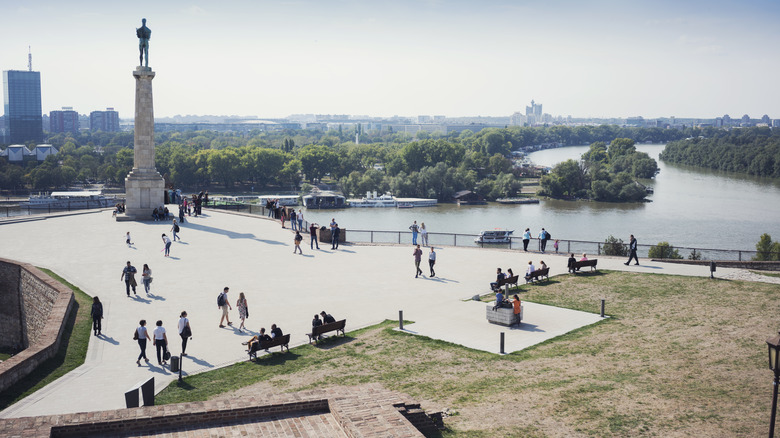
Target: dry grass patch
[[679, 357]]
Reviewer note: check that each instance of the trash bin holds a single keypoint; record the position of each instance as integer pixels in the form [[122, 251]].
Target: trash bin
[[174, 364]]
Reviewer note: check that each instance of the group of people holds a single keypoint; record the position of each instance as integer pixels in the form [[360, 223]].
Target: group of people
[[159, 339], [327, 318], [531, 269], [421, 231], [253, 344], [160, 213], [128, 276], [544, 237], [515, 304], [417, 254]]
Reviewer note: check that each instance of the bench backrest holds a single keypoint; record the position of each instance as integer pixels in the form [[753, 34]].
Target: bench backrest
[[284, 340], [586, 263], [509, 280], [329, 327], [540, 272]]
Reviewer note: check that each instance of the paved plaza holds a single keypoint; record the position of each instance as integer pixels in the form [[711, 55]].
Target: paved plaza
[[363, 283]]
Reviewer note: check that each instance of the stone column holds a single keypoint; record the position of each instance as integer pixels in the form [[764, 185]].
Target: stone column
[[144, 186]]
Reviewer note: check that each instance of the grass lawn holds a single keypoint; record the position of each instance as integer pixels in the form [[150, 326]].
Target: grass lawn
[[72, 352], [680, 356], [768, 274]]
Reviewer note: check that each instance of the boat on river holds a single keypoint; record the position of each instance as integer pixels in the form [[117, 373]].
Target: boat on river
[[498, 235], [517, 201], [372, 200], [71, 200]]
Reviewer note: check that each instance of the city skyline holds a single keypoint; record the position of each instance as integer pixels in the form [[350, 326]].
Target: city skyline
[[453, 58]]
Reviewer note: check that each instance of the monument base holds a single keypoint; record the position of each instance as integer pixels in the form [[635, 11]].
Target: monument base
[[144, 191]]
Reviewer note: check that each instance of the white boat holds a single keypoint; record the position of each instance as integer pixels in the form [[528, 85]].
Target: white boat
[[372, 200], [498, 235], [71, 200], [284, 200], [405, 205], [415, 202]]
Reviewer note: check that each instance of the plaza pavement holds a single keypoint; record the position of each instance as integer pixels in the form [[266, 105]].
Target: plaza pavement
[[363, 283]]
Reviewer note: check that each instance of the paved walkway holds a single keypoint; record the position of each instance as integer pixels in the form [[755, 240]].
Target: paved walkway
[[365, 284]]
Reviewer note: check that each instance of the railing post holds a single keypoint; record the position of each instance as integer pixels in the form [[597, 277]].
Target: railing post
[[399, 237], [502, 342], [372, 236], [598, 245], [740, 256], [400, 319], [455, 240], [568, 246]]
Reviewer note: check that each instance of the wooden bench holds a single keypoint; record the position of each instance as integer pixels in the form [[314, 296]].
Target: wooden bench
[[337, 326], [506, 282], [537, 275], [265, 345], [581, 264]]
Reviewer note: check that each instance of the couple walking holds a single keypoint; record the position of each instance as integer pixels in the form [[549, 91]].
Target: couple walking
[[418, 258]]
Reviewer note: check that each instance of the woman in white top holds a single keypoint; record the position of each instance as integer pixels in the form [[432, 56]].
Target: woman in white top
[[424, 235], [161, 342], [146, 277], [241, 304], [185, 331], [143, 336]]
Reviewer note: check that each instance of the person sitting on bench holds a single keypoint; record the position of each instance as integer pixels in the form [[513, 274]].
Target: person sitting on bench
[[327, 318], [499, 276], [530, 270], [509, 273], [254, 343], [572, 262], [276, 332]]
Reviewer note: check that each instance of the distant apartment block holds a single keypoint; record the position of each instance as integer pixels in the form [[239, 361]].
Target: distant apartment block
[[106, 121], [22, 105], [518, 119], [65, 120]]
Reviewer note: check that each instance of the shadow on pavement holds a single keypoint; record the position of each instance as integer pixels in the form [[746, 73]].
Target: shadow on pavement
[[108, 339], [232, 234], [333, 341], [197, 361], [525, 327], [138, 298]]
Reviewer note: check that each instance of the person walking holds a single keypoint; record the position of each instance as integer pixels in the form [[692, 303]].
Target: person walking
[[243, 310], [127, 240], [146, 278], [175, 230], [432, 261], [97, 315], [313, 234], [167, 241], [128, 275], [632, 249], [222, 302], [294, 220], [417, 259], [161, 342], [297, 241], [300, 220], [423, 234], [141, 335], [282, 215], [185, 331], [526, 239], [415, 229], [181, 214]]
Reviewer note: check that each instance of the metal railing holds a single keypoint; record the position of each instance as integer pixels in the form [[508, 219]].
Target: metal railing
[[565, 246], [25, 210]]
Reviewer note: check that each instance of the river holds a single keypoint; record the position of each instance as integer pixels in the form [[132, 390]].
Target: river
[[690, 208]]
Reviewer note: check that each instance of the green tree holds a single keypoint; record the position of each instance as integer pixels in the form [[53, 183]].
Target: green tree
[[663, 250], [615, 247], [766, 249], [317, 160]]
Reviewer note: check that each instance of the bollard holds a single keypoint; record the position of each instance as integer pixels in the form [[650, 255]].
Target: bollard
[[602, 308], [502, 342], [181, 357], [400, 319]]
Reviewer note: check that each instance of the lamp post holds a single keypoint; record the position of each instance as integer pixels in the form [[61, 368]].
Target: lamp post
[[774, 365]]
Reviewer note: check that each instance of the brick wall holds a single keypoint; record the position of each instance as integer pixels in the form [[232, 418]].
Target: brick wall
[[11, 333], [43, 307]]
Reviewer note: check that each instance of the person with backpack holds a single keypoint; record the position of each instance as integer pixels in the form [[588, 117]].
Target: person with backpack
[[222, 303], [544, 236], [175, 230], [298, 239]]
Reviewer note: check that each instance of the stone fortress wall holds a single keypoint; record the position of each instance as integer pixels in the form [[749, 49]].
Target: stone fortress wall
[[34, 309]]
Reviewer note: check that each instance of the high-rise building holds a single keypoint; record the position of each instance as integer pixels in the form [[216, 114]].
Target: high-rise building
[[66, 120], [106, 121], [22, 105]]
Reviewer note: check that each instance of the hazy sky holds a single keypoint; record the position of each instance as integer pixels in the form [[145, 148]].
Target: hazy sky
[[405, 57]]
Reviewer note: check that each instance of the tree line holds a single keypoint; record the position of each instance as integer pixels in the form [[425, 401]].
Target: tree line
[[754, 151]]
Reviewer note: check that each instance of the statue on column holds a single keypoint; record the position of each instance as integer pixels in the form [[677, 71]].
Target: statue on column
[[144, 34]]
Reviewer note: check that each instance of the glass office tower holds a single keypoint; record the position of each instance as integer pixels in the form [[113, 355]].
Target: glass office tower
[[22, 105]]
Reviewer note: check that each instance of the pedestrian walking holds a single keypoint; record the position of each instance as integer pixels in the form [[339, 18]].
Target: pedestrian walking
[[243, 310], [632, 249], [526, 239], [141, 335], [181, 214], [432, 261], [127, 239], [417, 259], [146, 278], [313, 234], [293, 220], [97, 315], [222, 303], [160, 341], [175, 230], [128, 275], [167, 241], [423, 234], [282, 214], [298, 239], [185, 331], [300, 220], [415, 229]]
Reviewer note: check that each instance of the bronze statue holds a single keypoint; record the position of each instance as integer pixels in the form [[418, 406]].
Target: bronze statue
[[144, 34]]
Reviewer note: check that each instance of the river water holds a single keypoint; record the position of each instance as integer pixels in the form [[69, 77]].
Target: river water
[[690, 208]]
